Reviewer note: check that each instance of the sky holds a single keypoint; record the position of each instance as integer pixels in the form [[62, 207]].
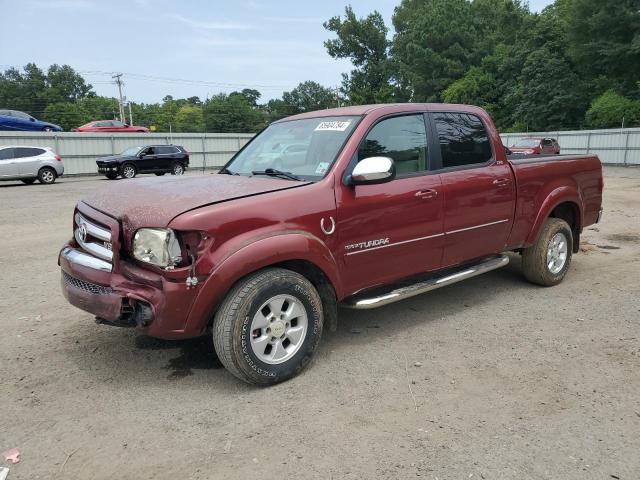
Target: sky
[[182, 48]]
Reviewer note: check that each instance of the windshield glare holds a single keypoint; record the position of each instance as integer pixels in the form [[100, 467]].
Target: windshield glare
[[131, 151], [305, 148], [527, 142]]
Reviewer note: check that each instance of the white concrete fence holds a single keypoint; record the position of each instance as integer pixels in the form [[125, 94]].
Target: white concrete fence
[[80, 150], [613, 146], [210, 150]]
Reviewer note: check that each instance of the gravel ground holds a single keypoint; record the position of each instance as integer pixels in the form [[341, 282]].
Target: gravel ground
[[491, 378]]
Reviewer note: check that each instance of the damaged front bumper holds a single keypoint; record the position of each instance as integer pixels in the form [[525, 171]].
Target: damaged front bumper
[[130, 297]]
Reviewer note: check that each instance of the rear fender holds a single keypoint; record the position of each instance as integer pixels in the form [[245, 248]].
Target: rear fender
[[557, 196], [248, 258]]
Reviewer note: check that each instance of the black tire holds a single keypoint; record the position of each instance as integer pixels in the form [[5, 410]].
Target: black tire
[[126, 169], [535, 259], [111, 175], [28, 181], [159, 174], [177, 168], [47, 175], [232, 325]]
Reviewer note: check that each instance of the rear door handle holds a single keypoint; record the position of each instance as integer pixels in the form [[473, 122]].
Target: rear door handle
[[502, 182], [427, 194]]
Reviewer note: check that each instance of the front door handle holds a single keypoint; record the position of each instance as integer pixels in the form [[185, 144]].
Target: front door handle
[[427, 194], [502, 182]]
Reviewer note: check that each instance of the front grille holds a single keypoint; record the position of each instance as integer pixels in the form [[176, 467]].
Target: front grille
[[93, 238], [86, 286]]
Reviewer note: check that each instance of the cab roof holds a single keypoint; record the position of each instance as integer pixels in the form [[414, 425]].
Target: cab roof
[[383, 108]]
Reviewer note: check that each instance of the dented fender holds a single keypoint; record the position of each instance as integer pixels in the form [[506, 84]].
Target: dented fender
[[248, 258]]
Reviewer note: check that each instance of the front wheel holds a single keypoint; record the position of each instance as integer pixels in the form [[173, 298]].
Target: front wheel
[[47, 175], [128, 171], [547, 262], [268, 327]]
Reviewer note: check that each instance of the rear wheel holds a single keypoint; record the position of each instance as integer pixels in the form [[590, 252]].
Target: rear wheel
[[268, 327], [547, 262], [47, 175], [28, 181], [111, 175], [177, 169], [128, 170]]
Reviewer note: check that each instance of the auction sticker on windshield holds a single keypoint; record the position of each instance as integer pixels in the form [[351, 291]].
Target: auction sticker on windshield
[[333, 126]]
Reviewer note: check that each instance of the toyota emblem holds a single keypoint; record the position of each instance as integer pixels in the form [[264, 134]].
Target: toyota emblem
[[82, 233]]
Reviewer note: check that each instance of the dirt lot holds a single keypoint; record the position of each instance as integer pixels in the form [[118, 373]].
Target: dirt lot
[[515, 381]]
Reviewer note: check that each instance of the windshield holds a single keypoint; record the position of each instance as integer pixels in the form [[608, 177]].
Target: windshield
[[527, 142], [131, 151], [303, 148]]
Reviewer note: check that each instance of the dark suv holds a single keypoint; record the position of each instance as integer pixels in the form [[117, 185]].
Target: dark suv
[[158, 159]]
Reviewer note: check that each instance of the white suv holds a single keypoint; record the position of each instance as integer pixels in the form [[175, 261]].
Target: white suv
[[30, 164]]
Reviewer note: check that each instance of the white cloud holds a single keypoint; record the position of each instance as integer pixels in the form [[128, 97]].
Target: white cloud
[[294, 20], [219, 25]]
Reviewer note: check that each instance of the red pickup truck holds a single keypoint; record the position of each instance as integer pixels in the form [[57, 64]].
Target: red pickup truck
[[357, 206]]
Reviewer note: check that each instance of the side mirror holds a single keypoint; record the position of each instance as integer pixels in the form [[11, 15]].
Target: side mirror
[[508, 151], [32, 119], [373, 170]]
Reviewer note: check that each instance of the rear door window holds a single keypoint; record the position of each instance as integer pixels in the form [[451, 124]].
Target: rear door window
[[403, 139], [463, 139], [165, 150], [22, 152]]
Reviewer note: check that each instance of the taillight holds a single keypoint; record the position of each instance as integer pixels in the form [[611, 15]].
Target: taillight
[[59, 158]]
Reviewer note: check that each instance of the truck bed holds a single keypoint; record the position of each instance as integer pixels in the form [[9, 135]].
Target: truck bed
[[541, 178]]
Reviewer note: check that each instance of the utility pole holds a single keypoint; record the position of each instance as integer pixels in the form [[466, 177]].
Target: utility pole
[[118, 76], [130, 115], [338, 96]]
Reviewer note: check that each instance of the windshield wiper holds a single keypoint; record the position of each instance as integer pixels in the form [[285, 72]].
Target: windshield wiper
[[226, 171], [272, 172]]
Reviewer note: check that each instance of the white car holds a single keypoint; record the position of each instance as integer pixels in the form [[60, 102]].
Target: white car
[[20, 162]]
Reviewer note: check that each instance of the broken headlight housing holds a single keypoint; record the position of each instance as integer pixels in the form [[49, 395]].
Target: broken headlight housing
[[157, 246]]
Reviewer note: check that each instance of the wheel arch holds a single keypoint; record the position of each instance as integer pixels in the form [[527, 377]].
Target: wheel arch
[[563, 203], [299, 251]]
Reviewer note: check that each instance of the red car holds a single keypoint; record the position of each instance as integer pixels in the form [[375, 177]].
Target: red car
[[110, 126], [386, 202], [536, 146]]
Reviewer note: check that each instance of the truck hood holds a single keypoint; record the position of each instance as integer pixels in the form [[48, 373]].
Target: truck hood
[[154, 202]]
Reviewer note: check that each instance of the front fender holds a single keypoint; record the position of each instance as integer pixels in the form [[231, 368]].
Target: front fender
[[278, 248], [562, 194]]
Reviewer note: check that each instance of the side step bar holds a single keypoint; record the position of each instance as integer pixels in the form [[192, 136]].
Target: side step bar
[[364, 302]]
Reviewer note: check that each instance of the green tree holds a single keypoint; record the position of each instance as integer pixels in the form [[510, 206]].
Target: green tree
[[477, 87], [309, 96], [549, 94], [611, 109], [364, 42], [433, 45], [189, 118], [604, 40], [63, 84], [232, 113]]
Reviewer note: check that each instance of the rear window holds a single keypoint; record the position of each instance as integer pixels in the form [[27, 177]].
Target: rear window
[[463, 139]]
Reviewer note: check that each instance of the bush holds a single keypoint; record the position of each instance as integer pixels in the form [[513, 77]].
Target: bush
[[608, 110]]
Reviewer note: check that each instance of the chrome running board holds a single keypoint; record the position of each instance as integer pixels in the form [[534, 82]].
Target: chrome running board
[[365, 301]]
